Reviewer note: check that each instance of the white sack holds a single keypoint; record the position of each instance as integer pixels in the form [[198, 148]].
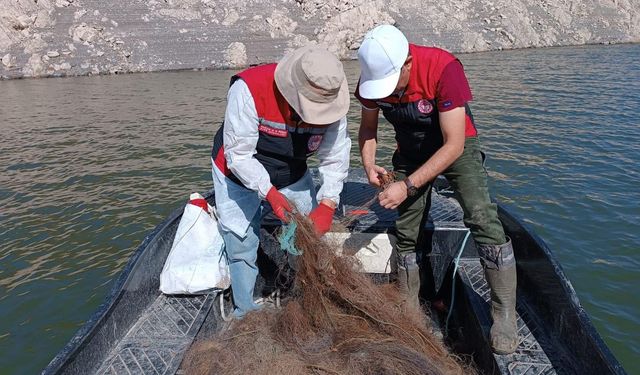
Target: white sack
[[196, 262]]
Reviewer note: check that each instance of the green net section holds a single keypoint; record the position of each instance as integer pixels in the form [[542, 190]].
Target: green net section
[[287, 238]]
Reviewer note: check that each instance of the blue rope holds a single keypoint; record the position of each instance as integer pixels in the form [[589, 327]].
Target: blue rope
[[287, 238], [453, 286]]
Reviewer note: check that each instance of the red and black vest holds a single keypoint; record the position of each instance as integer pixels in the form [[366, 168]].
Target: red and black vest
[[284, 141], [414, 115]]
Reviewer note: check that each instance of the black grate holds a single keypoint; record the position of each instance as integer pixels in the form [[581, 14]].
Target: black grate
[[445, 212], [159, 339], [530, 358]]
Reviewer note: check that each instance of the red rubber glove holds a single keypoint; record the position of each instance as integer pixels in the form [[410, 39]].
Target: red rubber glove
[[321, 217], [278, 203]]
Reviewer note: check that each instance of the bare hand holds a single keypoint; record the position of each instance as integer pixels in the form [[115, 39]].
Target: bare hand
[[373, 174], [392, 196]]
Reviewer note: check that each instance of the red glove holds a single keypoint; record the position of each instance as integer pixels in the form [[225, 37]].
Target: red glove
[[279, 204], [322, 216]]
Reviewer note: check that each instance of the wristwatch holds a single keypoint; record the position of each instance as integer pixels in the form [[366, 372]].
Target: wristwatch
[[411, 189]]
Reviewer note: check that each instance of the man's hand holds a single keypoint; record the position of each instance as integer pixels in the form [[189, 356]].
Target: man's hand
[[392, 196], [373, 173], [322, 217], [279, 204]]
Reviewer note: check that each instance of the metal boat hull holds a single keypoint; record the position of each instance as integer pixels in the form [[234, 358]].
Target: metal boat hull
[[138, 330]]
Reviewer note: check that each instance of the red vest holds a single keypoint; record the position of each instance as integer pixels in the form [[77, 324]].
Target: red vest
[[414, 116], [426, 70], [284, 144]]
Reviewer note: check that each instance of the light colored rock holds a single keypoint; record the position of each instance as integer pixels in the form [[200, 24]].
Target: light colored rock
[[181, 14], [53, 53], [279, 24], [85, 33], [300, 41], [34, 44], [8, 61], [235, 56], [34, 66], [79, 13], [43, 19], [231, 17], [343, 33], [188, 34], [23, 22]]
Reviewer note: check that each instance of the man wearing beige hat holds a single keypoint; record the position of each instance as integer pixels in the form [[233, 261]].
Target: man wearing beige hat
[[277, 116], [423, 92]]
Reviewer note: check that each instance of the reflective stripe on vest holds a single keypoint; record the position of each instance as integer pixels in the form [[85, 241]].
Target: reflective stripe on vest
[[283, 144]]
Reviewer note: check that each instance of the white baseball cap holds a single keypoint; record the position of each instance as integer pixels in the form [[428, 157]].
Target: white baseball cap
[[382, 54]]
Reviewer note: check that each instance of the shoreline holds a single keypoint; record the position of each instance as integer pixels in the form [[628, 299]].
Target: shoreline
[[57, 38], [239, 68]]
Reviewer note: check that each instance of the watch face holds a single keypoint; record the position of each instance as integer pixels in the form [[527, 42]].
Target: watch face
[[411, 191]]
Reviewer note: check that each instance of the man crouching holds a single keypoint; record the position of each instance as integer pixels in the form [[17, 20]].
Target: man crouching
[[277, 116]]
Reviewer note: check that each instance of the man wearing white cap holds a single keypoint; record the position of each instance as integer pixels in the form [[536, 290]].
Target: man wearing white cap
[[423, 93], [277, 116]]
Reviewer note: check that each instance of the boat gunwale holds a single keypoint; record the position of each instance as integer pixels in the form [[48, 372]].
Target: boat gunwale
[[89, 329], [103, 312], [506, 211]]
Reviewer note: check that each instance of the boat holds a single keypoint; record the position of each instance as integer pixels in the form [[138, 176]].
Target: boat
[[138, 330]]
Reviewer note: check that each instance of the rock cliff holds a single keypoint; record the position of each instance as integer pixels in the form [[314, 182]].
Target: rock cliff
[[40, 38]]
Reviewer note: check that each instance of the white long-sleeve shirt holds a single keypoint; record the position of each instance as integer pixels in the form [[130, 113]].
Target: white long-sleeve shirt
[[240, 137]]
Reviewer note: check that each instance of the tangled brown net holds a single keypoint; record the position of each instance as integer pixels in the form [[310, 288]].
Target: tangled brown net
[[337, 321]]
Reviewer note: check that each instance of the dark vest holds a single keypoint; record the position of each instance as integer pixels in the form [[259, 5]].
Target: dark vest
[[414, 116], [284, 142]]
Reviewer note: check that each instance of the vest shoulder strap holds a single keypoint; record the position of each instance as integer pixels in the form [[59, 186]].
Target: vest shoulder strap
[[270, 104]]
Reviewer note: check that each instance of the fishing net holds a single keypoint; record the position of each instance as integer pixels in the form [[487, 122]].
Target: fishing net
[[336, 321]]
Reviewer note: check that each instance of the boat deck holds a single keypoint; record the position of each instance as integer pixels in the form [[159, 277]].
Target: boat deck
[[157, 342], [535, 346]]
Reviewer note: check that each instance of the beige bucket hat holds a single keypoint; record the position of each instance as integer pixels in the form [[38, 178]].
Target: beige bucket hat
[[313, 82]]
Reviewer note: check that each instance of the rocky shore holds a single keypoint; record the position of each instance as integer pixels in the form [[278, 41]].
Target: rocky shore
[[44, 38]]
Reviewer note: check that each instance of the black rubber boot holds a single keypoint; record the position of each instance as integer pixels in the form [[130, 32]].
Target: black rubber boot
[[409, 278], [500, 272]]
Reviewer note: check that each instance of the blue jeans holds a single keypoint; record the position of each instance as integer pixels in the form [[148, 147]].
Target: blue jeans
[[242, 251], [242, 254]]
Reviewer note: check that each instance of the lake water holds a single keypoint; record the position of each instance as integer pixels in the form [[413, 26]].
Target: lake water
[[88, 166]]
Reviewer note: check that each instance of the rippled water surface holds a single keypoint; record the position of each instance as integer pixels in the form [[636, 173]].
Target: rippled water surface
[[89, 165]]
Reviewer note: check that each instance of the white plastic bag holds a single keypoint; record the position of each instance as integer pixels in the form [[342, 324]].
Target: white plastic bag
[[196, 262]]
